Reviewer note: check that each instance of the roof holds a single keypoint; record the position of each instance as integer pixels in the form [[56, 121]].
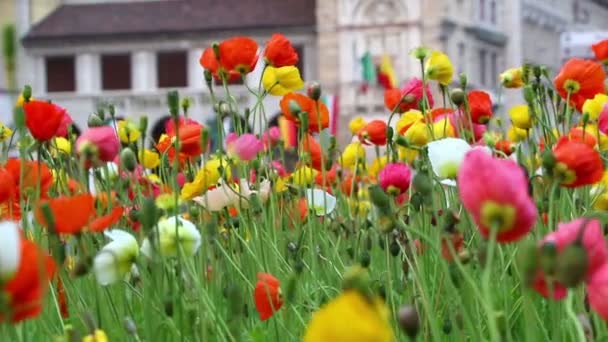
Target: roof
[[114, 19]]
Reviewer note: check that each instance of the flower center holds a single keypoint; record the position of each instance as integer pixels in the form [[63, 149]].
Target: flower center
[[572, 86], [563, 174], [498, 216], [449, 170]]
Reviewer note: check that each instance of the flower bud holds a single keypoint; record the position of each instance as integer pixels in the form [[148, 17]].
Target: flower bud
[[529, 93], [94, 121], [112, 111], [379, 198], [294, 107], [27, 93], [208, 78], [422, 183], [409, 321], [572, 265], [457, 95], [314, 91], [173, 103], [19, 118], [365, 259], [143, 124], [528, 261], [186, 103], [463, 80], [548, 256], [148, 214], [421, 52], [548, 160], [128, 160]]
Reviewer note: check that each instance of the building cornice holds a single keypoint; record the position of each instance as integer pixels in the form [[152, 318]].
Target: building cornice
[[535, 13]]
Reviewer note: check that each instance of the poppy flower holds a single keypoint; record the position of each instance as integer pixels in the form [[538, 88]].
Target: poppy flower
[[582, 136], [512, 78], [597, 291], [281, 81], [353, 153], [409, 97], [600, 49], [567, 234], [7, 185], [64, 125], [480, 106], [439, 68], [73, 214], [451, 241], [209, 61], [593, 107], [395, 178], [267, 295], [356, 124], [318, 114], [446, 156], [37, 175], [520, 116], [26, 289], [238, 54], [115, 260], [495, 192], [279, 52], [350, 317], [245, 147], [577, 164], [100, 142], [583, 79], [43, 119], [374, 133], [309, 145]]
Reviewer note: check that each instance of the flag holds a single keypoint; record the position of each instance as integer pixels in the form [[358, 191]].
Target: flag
[[386, 73], [333, 105], [369, 71]]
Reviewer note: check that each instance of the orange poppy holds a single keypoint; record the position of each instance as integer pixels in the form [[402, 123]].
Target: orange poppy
[[32, 176], [348, 185], [189, 142], [7, 185], [600, 49], [25, 291], [480, 106], [317, 119], [73, 214], [392, 98], [279, 52], [373, 133], [10, 210], [43, 119], [331, 177], [238, 54], [309, 145], [583, 79], [577, 163], [209, 62], [267, 295], [505, 146]]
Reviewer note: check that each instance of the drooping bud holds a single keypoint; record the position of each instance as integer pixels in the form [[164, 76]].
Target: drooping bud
[[143, 124], [294, 107], [572, 265], [409, 321], [94, 121], [128, 160], [463, 80], [379, 198], [548, 160], [314, 91], [356, 277], [422, 183], [457, 95], [148, 214], [186, 103], [529, 93]]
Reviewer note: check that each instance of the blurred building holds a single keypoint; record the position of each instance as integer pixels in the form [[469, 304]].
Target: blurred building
[[130, 53], [88, 52]]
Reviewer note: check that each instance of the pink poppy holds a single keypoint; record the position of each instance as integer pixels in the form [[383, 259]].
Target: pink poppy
[[495, 192], [245, 147], [395, 178], [566, 234], [103, 139], [603, 120], [597, 290]]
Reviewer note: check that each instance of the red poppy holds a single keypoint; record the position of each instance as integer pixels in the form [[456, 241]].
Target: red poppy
[[577, 163], [451, 241], [318, 115], [267, 295], [209, 62], [313, 148], [10, 210], [43, 119], [238, 54], [7, 185], [373, 133], [583, 79], [34, 174], [600, 49], [331, 177], [73, 214], [348, 185], [580, 135], [505, 146], [480, 105], [279, 52], [25, 291], [189, 141]]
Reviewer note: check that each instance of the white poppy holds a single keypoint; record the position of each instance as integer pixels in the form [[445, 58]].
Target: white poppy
[[116, 259], [446, 155], [320, 201], [173, 233], [107, 172], [10, 251], [217, 198]]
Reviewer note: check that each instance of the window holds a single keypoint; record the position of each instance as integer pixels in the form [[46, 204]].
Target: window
[[493, 12], [494, 65], [60, 74], [300, 51], [461, 57], [172, 69], [482, 10], [116, 72], [482, 67]]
